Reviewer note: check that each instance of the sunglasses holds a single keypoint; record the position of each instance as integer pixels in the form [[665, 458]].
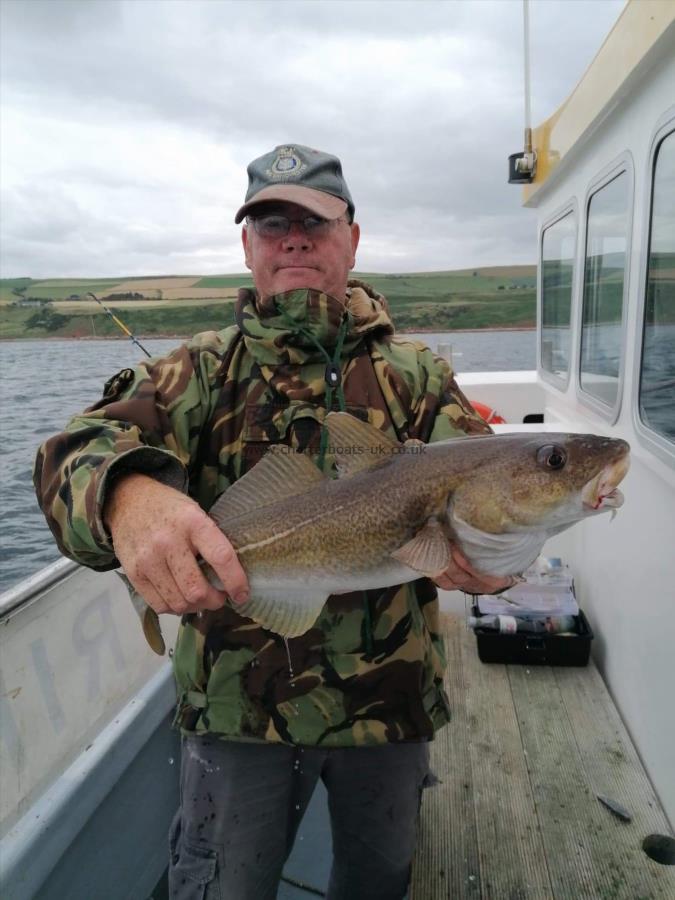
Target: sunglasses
[[277, 226]]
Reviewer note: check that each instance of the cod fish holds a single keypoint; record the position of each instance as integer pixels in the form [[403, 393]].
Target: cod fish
[[389, 516]]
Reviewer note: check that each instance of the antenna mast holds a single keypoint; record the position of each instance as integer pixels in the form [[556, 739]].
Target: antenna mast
[[522, 166], [526, 61]]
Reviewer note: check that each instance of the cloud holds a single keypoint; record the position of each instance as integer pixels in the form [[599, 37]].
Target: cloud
[[127, 126]]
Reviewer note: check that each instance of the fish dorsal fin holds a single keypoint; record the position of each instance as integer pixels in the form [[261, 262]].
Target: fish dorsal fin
[[357, 445], [280, 474], [428, 552]]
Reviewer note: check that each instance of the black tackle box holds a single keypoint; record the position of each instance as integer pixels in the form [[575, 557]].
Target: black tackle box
[[526, 649]]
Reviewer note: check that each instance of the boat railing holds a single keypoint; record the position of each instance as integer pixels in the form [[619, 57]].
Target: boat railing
[[34, 585]]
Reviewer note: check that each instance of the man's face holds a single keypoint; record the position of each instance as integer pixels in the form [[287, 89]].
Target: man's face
[[298, 260]]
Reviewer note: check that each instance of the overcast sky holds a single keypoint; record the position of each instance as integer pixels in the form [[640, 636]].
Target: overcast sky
[[127, 125]]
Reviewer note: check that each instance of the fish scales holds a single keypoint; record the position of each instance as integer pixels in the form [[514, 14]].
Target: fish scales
[[356, 522], [390, 515], [365, 516]]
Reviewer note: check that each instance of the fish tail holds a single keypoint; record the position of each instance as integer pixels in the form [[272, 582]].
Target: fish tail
[[149, 618]]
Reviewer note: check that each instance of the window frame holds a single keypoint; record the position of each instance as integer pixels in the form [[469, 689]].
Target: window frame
[[622, 164], [571, 206], [650, 439]]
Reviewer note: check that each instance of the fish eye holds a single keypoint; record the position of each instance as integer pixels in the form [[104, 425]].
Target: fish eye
[[551, 457]]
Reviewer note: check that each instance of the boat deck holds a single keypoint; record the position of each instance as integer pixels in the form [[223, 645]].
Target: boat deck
[[515, 814]]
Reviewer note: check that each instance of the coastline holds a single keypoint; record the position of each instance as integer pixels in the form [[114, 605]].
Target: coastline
[[466, 330], [185, 337]]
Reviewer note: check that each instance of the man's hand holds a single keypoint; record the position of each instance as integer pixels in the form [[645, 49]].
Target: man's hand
[[459, 576], [157, 534]]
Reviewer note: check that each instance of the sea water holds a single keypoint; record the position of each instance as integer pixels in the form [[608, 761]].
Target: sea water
[[43, 383]]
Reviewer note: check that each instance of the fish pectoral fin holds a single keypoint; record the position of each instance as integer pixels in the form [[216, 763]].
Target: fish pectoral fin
[[288, 611], [357, 445], [428, 552], [149, 618]]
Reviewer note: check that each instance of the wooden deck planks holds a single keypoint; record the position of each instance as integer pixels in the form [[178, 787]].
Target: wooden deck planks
[[613, 769], [510, 846], [570, 821], [516, 817], [446, 864]]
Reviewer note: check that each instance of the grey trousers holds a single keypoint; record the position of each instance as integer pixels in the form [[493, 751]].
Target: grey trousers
[[241, 805]]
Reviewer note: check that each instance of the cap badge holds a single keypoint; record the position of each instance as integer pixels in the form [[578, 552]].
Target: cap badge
[[287, 164]]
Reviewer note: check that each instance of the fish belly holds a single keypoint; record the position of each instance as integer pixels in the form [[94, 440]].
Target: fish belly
[[498, 554]]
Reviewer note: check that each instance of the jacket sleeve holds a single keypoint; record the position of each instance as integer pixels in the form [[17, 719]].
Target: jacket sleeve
[[148, 420], [442, 411]]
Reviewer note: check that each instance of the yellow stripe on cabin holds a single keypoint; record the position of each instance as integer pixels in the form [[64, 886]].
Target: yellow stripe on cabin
[[642, 25]]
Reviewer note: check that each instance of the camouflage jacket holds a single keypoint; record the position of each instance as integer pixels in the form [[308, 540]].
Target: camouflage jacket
[[370, 671]]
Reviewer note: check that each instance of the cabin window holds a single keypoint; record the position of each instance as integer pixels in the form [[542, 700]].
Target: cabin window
[[657, 369], [601, 333], [557, 269]]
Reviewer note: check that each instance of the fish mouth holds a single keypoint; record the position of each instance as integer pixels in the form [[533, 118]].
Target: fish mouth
[[601, 492]]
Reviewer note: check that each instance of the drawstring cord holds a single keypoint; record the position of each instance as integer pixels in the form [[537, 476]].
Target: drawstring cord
[[368, 624], [333, 378], [332, 375]]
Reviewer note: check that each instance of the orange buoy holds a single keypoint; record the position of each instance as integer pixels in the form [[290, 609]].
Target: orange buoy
[[491, 416]]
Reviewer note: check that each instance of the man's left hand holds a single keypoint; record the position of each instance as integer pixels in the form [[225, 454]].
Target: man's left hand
[[459, 576]]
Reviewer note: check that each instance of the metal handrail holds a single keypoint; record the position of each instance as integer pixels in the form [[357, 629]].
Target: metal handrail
[[27, 589], [34, 846]]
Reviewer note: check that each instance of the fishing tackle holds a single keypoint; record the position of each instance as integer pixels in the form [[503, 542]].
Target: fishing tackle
[[120, 324]]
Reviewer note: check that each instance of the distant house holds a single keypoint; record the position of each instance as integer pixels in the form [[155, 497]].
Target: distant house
[[34, 301]]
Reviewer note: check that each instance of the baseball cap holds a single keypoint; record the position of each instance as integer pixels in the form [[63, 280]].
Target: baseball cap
[[298, 174]]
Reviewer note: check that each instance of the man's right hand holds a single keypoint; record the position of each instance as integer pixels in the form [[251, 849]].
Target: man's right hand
[[157, 534]]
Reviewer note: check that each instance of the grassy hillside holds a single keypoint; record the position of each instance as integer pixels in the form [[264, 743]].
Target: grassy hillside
[[495, 297]]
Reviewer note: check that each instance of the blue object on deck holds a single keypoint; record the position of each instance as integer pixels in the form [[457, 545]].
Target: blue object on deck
[[311, 858]]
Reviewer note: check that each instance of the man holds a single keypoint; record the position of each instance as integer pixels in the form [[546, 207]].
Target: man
[[356, 699]]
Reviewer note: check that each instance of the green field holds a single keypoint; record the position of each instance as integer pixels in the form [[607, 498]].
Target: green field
[[170, 321], [488, 297], [225, 281], [495, 297]]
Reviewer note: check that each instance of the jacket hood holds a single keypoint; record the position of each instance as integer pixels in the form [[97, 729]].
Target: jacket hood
[[283, 329]]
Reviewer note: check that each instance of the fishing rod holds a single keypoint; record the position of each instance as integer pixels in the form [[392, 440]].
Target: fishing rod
[[120, 324]]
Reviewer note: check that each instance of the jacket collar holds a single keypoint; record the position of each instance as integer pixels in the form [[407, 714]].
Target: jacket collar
[[276, 330]]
